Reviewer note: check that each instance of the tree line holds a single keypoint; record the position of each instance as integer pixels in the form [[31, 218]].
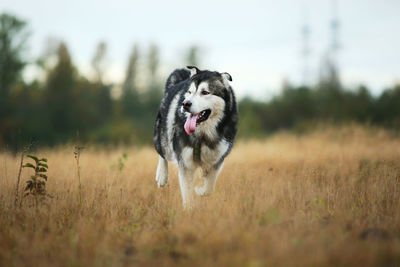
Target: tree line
[[301, 108], [62, 105]]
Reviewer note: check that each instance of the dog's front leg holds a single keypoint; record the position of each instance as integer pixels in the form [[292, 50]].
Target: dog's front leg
[[162, 172], [186, 177], [210, 178]]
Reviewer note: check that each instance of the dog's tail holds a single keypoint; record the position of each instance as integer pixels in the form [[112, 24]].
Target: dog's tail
[[176, 77]]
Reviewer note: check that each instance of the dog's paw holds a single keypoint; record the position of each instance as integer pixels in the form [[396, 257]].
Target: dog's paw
[[161, 180], [202, 191]]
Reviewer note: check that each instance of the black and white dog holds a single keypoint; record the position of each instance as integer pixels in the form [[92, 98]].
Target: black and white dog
[[195, 128]]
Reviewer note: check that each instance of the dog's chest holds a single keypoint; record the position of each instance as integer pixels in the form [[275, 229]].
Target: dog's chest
[[211, 156], [204, 155]]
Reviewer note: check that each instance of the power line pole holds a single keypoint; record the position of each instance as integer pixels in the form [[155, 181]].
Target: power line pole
[[306, 50], [334, 44]]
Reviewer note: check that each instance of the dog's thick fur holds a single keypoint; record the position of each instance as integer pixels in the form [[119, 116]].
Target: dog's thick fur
[[205, 147]]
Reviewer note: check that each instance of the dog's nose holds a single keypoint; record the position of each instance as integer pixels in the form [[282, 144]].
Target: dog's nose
[[187, 105]]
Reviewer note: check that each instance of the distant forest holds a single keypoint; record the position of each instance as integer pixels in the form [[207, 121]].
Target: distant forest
[[62, 105]]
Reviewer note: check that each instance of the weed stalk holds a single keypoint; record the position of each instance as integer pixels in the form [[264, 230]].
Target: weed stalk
[[26, 149], [77, 154]]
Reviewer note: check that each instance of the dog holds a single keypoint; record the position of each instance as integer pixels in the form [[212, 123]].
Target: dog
[[195, 128]]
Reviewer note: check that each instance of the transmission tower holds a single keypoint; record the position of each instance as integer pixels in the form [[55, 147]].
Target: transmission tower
[[334, 44], [306, 50]]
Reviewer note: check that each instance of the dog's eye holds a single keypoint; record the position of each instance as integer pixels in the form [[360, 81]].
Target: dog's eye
[[189, 92], [205, 93]]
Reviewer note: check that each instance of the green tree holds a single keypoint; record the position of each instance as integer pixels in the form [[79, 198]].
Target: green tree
[[26, 102], [250, 120], [13, 37], [153, 93], [60, 101], [130, 101], [387, 109], [98, 62], [359, 105]]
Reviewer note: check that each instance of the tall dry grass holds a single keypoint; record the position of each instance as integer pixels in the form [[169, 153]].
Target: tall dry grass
[[329, 198]]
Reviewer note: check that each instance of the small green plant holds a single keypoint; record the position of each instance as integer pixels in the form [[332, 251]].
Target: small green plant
[[121, 161], [120, 165], [36, 185]]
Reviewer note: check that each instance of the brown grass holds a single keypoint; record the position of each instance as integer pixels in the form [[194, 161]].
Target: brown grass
[[330, 198]]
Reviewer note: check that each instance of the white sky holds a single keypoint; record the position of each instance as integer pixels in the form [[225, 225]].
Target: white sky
[[257, 42]]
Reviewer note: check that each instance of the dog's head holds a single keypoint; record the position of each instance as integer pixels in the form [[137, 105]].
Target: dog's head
[[205, 99]]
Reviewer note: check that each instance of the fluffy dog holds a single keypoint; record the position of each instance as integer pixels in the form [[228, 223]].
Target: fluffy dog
[[195, 128]]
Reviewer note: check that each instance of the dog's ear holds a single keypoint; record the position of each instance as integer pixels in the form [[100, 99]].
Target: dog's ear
[[227, 76], [193, 70]]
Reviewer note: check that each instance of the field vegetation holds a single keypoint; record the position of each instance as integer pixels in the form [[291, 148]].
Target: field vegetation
[[326, 198]]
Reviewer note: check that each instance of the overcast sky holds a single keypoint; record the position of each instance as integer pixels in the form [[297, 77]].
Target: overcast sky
[[257, 42]]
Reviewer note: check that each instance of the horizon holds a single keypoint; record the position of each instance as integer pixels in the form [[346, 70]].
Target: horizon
[[260, 50]]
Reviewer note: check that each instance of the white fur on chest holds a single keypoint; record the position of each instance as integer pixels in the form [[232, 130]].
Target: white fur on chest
[[208, 156]]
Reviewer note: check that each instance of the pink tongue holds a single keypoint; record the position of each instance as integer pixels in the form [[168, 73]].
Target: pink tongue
[[190, 124]]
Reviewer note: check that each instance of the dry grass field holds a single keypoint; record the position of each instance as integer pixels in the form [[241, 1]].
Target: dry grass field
[[328, 198]]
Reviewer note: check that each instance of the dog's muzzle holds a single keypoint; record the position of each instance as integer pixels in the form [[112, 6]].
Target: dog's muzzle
[[186, 105]]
